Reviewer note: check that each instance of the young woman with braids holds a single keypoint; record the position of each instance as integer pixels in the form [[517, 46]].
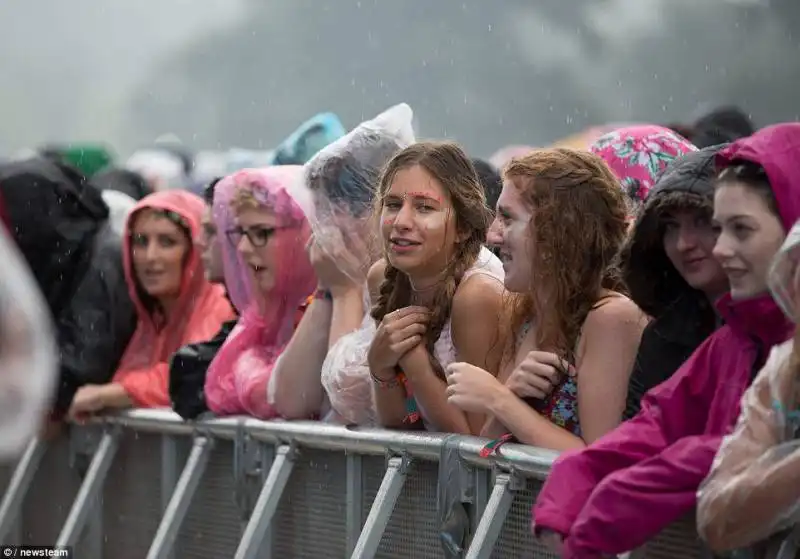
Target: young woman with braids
[[437, 293], [561, 220]]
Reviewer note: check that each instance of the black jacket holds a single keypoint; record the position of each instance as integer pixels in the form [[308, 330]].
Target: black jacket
[[682, 316], [60, 224]]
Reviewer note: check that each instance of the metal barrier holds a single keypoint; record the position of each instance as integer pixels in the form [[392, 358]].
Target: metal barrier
[[144, 483]]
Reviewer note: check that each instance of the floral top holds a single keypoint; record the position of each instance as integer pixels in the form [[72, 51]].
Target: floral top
[[561, 406]]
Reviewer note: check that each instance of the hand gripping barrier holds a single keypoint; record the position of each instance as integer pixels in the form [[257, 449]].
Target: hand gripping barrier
[[144, 483]]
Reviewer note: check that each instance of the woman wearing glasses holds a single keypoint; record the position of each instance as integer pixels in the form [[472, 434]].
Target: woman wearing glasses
[[175, 304], [269, 280]]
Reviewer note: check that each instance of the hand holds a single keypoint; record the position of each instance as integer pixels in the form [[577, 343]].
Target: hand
[[398, 332], [329, 274], [538, 374], [552, 541], [88, 399], [471, 388]]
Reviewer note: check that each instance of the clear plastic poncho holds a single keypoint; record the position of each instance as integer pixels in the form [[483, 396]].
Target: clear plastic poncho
[[28, 352], [751, 492], [343, 179]]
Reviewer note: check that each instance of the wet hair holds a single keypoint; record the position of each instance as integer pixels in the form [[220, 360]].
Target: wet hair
[[490, 180], [578, 226], [754, 177], [208, 192], [451, 167]]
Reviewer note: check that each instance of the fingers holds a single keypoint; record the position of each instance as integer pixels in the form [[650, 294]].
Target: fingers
[[406, 345], [547, 364]]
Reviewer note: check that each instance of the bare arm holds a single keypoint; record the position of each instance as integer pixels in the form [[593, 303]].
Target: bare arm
[[610, 340], [298, 393], [476, 315]]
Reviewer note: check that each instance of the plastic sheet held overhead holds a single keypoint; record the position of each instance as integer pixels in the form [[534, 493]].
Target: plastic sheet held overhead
[[751, 496], [28, 353], [343, 178]]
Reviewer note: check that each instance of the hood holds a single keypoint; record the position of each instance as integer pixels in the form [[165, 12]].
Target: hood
[[54, 215], [190, 208], [313, 135], [283, 190], [122, 180], [777, 149], [653, 282], [637, 155]]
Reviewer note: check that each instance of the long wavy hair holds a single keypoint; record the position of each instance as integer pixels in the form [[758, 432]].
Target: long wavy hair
[[578, 226], [451, 167]]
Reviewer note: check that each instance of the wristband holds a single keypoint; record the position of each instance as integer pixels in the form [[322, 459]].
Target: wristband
[[391, 383]]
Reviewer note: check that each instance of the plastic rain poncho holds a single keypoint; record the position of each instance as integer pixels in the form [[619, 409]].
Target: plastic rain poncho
[[752, 491], [236, 382], [343, 178], [28, 352]]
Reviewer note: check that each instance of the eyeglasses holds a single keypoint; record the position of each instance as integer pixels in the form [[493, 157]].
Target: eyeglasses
[[257, 235]]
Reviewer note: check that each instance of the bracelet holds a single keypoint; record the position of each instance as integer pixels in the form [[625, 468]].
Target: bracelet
[[391, 383]]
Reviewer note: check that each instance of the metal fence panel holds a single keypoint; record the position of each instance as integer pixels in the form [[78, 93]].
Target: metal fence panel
[[316, 516], [131, 501], [413, 529], [213, 524], [51, 495], [515, 538], [311, 518]]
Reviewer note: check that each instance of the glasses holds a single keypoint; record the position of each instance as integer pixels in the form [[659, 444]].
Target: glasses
[[257, 235]]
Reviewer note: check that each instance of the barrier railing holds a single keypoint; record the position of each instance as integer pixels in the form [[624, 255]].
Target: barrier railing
[[144, 483]]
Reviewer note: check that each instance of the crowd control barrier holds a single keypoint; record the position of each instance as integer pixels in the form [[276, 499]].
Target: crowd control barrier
[[145, 484]]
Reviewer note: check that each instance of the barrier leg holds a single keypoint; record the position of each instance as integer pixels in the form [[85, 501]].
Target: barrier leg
[[175, 513], [267, 503], [355, 512], [494, 516], [388, 493], [18, 486], [90, 489]]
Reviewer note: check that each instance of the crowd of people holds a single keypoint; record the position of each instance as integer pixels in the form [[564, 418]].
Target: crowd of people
[[629, 301]]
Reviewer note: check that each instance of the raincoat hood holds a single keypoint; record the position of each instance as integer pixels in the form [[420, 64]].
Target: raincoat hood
[[637, 154], [653, 281], [238, 377], [776, 148], [54, 216], [195, 289], [313, 135]]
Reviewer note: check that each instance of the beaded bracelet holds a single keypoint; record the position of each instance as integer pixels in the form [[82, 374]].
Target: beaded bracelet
[[391, 383]]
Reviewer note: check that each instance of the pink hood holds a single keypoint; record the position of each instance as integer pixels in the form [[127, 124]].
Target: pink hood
[[237, 379], [618, 493], [199, 313]]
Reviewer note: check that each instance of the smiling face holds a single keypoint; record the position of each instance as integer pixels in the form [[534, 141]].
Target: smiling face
[[417, 223], [689, 240], [749, 235], [159, 250], [510, 234]]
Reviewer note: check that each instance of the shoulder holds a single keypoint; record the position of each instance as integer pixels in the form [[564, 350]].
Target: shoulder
[[477, 296], [376, 275], [615, 313]]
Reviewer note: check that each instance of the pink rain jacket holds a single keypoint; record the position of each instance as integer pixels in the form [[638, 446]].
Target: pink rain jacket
[[201, 310], [619, 492]]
